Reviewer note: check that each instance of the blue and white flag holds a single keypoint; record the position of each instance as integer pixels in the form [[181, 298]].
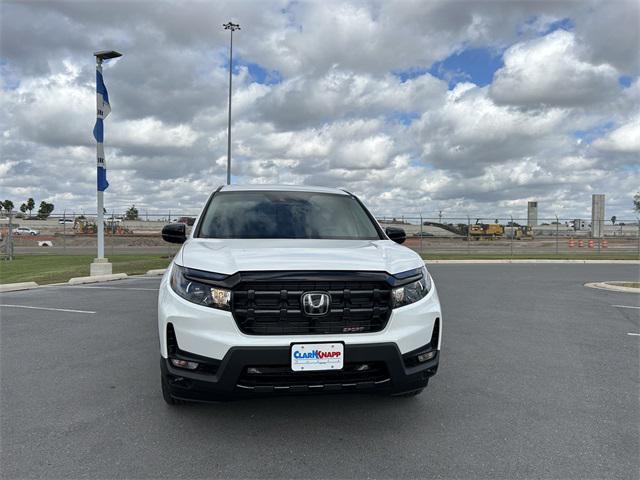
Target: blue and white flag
[[102, 109]]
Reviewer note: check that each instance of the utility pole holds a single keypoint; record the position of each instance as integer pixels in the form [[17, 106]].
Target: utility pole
[[231, 27]]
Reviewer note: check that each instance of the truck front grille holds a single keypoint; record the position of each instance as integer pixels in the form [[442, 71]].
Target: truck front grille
[[358, 305]]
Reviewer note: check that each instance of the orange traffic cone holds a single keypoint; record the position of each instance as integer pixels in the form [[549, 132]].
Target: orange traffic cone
[[605, 243], [590, 243], [572, 243], [580, 243]]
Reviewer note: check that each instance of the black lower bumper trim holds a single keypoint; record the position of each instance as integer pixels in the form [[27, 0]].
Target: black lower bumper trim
[[389, 373]]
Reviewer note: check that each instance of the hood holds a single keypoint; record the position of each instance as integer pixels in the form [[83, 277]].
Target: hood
[[231, 256]]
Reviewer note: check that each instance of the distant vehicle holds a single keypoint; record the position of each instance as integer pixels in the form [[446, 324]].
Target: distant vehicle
[[187, 221], [25, 231], [65, 220]]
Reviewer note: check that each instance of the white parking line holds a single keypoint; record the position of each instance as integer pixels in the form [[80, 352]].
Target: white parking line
[[624, 306], [636, 334], [50, 309]]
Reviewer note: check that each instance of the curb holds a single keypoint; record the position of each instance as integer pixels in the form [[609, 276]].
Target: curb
[[97, 278], [157, 271], [596, 262], [14, 287], [612, 288]]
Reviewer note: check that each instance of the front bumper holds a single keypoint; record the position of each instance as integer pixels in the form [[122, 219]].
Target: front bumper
[[389, 372]]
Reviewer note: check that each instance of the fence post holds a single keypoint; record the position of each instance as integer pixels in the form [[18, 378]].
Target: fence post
[[10, 237], [64, 231], [421, 232], [511, 242], [113, 230], [468, 235], [557, 233]]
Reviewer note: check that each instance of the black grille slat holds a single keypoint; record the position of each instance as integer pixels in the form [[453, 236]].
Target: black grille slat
[[282, 376], [262, 307]]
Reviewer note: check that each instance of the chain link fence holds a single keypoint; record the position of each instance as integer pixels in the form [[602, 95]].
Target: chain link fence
[[438, 237]]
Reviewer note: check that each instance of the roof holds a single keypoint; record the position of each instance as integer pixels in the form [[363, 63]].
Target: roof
[[281, 188]]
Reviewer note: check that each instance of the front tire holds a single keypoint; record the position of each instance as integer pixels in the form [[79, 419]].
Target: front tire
[[166, 394], [411, 393]]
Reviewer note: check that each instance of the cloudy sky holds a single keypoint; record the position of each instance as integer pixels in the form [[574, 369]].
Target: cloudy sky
[[469, 107]]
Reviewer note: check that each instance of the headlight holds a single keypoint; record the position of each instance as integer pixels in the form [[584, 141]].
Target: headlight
[[198, 292], [412, 292]]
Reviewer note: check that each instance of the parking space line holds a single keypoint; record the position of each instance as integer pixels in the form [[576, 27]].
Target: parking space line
[[636, 334], [625, 306], [45, 308]]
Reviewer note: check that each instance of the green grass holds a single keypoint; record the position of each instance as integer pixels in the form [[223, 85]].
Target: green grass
[[529, 256], [60, 268], [45, 269]]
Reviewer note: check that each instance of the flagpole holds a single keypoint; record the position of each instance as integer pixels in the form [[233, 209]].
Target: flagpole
[[100, 217], [101, 265]]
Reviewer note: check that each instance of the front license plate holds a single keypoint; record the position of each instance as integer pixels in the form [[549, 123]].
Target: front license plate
[[317, 356]]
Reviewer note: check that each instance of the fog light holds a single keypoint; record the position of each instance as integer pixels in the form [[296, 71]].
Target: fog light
[[423, 357], [221, 297], [184, 364]]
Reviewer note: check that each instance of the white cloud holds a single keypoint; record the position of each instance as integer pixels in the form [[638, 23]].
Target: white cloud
[[552, 71], [625, 139]]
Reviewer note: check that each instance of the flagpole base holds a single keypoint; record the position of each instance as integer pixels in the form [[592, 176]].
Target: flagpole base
[[100, 266]]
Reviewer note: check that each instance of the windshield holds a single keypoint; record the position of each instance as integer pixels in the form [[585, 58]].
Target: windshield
[[267, 214]]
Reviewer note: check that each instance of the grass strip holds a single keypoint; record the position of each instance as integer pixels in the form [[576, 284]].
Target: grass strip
[[45, 269]]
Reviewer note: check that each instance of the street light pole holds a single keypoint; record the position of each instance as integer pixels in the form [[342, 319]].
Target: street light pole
[[231, 27]]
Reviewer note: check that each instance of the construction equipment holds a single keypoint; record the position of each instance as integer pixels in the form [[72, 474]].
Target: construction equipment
[[82, 225], [518, 232], [486, 231], [115, 227]]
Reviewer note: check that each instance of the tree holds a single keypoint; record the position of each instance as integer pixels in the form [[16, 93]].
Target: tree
[[31, 204], [45, 210], [636, 202], [132, 213], [23, 208], [7, 205], [613, 219]]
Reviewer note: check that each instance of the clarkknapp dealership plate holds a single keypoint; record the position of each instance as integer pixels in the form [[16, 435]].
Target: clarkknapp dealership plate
[[317, 356]]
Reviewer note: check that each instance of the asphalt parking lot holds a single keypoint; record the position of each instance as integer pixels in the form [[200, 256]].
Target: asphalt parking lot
[[539, 377]]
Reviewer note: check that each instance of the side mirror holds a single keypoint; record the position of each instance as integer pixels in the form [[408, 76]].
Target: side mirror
[[174, 233], [396, 234]]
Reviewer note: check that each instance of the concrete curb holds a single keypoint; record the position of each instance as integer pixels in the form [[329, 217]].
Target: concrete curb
[[612, 288], [97, 278], [157, 271], [14, 287], [596, 262]]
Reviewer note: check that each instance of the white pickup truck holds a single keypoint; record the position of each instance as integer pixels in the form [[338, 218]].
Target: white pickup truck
[[293, 290]]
